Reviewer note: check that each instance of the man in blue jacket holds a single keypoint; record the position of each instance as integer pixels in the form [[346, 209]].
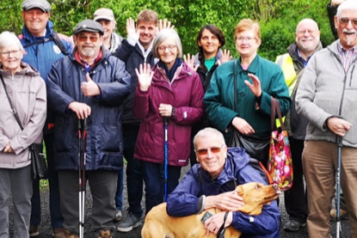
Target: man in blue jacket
[[41, 51], [89, 83], [211, 183]]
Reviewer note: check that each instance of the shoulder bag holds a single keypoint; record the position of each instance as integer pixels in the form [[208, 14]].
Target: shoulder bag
[[38, 161], [280, 165], [256, 146]]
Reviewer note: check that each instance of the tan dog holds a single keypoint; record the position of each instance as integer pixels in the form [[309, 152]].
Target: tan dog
[[160, 225]]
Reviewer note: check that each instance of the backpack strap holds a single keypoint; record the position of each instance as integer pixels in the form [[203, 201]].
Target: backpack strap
[[261, 169], [55, 38]]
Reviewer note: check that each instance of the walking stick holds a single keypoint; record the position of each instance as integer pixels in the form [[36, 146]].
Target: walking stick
[[338, 187], [82, 134], [166, 157]]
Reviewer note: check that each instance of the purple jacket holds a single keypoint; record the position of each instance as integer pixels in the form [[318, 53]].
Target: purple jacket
[[185, 94]]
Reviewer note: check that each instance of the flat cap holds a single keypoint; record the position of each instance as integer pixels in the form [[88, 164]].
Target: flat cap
[[40, 4], [104, 13], [88, 25]]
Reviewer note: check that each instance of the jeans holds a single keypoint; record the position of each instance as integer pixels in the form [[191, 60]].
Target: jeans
[[119, 192], [134, 178], [153, 174], [55, 211]]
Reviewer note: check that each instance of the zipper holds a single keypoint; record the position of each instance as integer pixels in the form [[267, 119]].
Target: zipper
[[353, 69]]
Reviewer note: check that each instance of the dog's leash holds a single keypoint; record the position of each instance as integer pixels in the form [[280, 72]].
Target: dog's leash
[[223, 228]]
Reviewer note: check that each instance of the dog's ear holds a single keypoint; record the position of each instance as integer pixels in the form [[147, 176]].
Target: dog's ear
[[240, 190]]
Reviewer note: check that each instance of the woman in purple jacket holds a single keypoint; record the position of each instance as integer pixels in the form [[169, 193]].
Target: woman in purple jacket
[[171, 91]]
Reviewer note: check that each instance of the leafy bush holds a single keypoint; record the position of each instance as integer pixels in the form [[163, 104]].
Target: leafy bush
[[277, 18]]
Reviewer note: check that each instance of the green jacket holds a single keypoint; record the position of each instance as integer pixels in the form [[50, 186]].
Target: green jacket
[[219, 98]]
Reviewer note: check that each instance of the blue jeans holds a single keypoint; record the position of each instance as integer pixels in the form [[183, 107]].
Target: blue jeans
[[119, 193], [55, 211], [134, 178], [153, 174]]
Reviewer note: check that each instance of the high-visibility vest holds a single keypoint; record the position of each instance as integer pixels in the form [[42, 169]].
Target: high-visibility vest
[[287, 65]]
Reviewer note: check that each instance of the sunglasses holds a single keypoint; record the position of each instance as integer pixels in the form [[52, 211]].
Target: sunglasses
[[213, 150], [345, 20], [93, 39]]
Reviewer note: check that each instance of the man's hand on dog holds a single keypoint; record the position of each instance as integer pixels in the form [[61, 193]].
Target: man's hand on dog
[[215, 222], [229, 201]]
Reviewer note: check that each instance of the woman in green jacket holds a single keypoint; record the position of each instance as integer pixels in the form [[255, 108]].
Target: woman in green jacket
[[257, 79]]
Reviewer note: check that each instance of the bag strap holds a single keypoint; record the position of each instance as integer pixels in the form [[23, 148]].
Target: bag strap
[[275, 110], [12, 108], [55, 38], [235, 86]]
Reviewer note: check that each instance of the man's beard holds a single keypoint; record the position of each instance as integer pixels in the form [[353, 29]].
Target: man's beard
[[88, 52]]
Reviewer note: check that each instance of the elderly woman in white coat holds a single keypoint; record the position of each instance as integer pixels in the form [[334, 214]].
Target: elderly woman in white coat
[[27, 92]]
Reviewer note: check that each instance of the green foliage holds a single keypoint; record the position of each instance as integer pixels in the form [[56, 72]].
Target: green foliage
[[277, 18]]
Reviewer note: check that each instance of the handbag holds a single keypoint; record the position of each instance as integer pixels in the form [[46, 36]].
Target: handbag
[[256, 146], [39, 168], [280, 166]]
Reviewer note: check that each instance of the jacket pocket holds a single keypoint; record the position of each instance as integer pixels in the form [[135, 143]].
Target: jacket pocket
[[111, 138]]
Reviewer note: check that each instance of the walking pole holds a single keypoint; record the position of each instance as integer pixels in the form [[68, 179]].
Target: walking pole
[[82, 134], [338, 187], [166, 157]]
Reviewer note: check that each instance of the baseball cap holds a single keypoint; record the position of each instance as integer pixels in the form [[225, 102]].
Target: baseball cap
[[104, 13], [41, 4], [88, 25]]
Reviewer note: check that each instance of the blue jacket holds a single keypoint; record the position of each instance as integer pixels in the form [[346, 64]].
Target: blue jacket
[[104, 145], [184, 200], [42, 56], [133, 57]]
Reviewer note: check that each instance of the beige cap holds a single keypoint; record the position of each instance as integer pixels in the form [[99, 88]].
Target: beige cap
[[104, 13]]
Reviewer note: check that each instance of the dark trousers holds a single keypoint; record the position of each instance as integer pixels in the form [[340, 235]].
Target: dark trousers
[[134, 176], [102, 185], [153, 174], [55, 211], [296, 198]]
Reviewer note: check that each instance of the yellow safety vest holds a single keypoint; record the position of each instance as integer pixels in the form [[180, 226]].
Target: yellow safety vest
[[287, 65]]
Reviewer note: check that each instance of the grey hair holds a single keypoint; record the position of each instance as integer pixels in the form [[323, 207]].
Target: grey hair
[[209, 132], [164, 35], [347, 5], [8, 38]]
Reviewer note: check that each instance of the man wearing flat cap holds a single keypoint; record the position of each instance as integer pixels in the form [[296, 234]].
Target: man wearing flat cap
[[88, 84], [43, 47]]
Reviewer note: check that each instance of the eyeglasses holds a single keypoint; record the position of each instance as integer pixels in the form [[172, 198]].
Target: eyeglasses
[[8, 53], [247, 39], [213, 150], [164, 47], [304, 31], [83, 38], [343, 21]]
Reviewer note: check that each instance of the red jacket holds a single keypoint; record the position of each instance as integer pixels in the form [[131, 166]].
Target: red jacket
[[185, 94]]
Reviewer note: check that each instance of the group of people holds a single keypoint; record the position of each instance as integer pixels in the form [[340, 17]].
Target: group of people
[[146, 102]]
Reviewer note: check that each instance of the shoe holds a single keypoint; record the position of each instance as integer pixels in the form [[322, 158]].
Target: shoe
[[130, 222], [343, 214], [60, 232], [118, 215], [293, 225], [34, 231], [104, 234]]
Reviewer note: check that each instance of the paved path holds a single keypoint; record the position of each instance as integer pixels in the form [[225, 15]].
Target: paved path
[[46, 231]]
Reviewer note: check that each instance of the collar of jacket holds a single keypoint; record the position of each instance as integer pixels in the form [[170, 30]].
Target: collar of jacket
[[196, 61], [181, 72], [29, 37], [253, 67], [235, 161], [26, 69], [104, 56]]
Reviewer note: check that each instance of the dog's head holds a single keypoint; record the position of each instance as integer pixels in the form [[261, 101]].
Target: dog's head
[[255, 195]]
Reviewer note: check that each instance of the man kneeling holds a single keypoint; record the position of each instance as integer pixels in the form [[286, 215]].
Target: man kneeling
[[211, 184]]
